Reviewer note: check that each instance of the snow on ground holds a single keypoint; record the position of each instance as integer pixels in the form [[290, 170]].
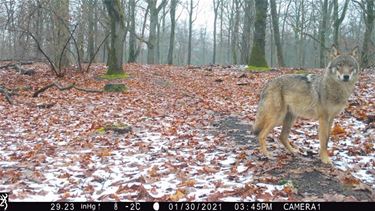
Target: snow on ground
[[163, 166], [63, 153]]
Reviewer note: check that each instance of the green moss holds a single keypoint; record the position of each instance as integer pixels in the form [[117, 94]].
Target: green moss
[[115, 76], [257, 57], [286, 182], [115, 88], [120, 128], [101, 130], [258, 69]]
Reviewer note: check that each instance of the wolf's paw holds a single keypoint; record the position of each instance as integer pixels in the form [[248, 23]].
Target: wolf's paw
[[325, 159], [265, 153], [293, 150]]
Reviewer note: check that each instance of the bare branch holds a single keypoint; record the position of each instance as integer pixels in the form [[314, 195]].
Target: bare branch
[[61, 88], [66, 44], [96, 51]]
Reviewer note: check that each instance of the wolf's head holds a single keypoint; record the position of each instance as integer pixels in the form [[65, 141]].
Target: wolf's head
[[343, 67]]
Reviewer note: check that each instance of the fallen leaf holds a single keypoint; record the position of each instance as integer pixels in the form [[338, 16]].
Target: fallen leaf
[[338, 130], [177, 196], [104, 153], [188, 183]]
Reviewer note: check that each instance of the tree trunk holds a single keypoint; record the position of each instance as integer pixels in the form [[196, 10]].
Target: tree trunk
[[172, 36], [246, 35], [96, 18], [216, 8], [62, 11], [90, 34], [81, 31], [202, 37], [257, 57], [152, 36], [236, 8], [221, 34], [322, 33], [39, 29], [132, 37], [190, 31], [301, 47], [369, 22], [117, 26], [157, 58], [276, 33], [151, 44]]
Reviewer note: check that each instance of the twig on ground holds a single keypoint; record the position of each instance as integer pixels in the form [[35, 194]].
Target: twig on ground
[[54, 84]]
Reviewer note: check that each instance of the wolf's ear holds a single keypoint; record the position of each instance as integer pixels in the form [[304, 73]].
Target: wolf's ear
[[355, 52], [334, 51]]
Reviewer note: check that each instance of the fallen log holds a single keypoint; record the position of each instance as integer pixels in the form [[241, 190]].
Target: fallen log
[[24, 71], [19, 69]]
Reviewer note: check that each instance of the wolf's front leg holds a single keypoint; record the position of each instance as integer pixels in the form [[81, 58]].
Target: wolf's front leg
[[324, 129]]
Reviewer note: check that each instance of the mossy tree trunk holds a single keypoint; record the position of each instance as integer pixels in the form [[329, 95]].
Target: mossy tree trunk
[[117, 26], [258, 57], [132, 37]]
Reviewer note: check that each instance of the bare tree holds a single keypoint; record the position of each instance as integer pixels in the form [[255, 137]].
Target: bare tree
[[91, 27], [172, 13], [191, 21], [39, 22], [235, 29], [246, 34], [61, 20], [154, 13], [216, 4], [338, 19], [299, 31], [322, 33], [276, 33], [368, 13]]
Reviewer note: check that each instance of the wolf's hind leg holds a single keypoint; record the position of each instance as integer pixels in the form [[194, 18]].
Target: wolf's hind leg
[[287, 125], [263, 135]]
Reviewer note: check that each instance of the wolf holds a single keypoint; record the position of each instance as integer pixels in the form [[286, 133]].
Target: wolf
[[318, 97]]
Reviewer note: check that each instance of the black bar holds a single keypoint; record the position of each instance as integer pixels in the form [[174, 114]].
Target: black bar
[[191, 206]]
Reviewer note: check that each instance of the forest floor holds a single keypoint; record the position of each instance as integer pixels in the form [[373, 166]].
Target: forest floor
[[187, 137]]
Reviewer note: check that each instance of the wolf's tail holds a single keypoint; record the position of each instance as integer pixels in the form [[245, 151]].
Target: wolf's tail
[[257, 127], [259, 121]]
